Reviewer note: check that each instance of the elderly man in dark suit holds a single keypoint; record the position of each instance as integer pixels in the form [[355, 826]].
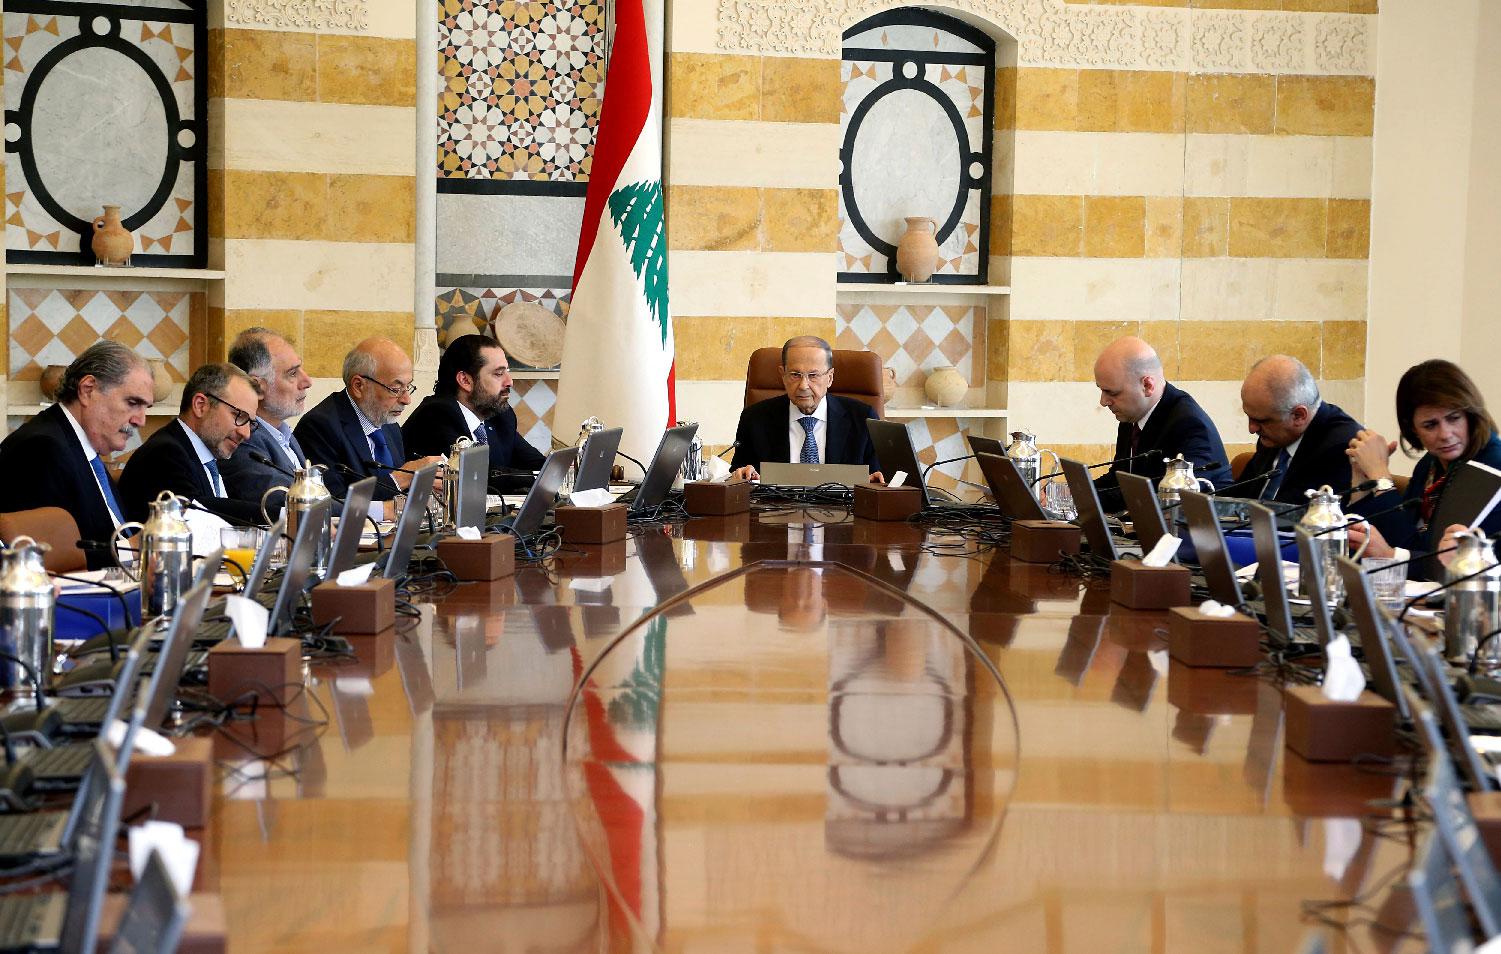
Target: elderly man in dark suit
[[353, 432], [53, 460], [1157, 420], [183, 456], [808, 424], [1300, 438], [276, 368], [472, 398]]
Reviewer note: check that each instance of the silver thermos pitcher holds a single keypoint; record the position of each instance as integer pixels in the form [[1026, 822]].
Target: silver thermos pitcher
[[1025, 454], [165, 565], [307, 491], [451, 482], [1472, 609], [1325, 522], [1176, 478], [27, 604]]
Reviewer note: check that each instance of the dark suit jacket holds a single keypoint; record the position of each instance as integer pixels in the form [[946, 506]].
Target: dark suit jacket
[[1177, 426], [762, 434], [43, 465], [1320, 458], [331, 435], [168, 461], [1405, 528], [438, 422], [244, 479]]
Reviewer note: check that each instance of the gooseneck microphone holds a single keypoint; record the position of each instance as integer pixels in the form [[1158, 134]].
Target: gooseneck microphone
[[1104, 463], [237, 521], [633, 460], [1367, 518], [1239, 483], [952, 460], [265, 461], [378, 465]]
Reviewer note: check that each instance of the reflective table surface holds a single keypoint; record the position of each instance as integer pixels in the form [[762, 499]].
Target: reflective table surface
[[788, 731]]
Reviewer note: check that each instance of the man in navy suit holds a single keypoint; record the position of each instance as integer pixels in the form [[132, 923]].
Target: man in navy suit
[[473, 399], [807, 424], [277, 370], [53, 460], [1157, 421], [183, 456], [1298, 434], [353, 432]]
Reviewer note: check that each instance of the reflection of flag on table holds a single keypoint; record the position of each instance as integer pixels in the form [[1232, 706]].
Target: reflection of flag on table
[[618, 348], [621, 703]]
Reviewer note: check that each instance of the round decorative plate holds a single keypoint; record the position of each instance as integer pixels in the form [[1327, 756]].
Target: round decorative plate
[[530, 333]]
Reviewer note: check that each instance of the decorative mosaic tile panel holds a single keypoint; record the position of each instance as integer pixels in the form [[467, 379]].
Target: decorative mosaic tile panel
[[940, 438], [54, 326], [113, 121], [521, 85], [533, 401], [463, 311], [914, 339]]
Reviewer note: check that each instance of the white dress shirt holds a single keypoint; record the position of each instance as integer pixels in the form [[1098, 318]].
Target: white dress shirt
[[204, 457], [471, 420], [796, 435], [89, 453]]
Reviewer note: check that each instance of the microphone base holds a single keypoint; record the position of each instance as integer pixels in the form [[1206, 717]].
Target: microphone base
[[1138, 586], [1221, 642], [1044, 541], [1322, 730]]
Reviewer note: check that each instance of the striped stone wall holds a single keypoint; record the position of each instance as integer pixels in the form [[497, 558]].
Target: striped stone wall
[[312, 189], [1197, 174]]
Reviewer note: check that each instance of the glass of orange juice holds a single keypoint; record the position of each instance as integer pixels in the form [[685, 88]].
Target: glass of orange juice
[[240, 545]]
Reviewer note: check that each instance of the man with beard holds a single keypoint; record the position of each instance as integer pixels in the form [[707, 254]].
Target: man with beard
[[472, 398], [53, 460], [217, 415], [353, 432], [277, 370]]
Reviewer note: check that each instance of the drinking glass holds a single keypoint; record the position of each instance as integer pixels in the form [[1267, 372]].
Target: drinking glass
[[240, 545], [1387, 581], [1058, 500]]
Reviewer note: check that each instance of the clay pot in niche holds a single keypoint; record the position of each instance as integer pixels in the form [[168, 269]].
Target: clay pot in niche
[[917, 251], [888, 383], [945, 386], [51, 380], [112, 244], [161, 381]]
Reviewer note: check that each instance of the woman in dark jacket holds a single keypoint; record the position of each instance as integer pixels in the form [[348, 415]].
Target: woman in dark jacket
[[1441, 412]]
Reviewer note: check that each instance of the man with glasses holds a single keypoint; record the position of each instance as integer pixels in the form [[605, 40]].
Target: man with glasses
[[54, 459], [353, 432], [217, 415], [808, 424]]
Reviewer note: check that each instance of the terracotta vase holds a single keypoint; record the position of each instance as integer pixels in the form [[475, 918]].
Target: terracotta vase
[[161, 381], [888, 383], [51, 380], [945, 386], [917, 252], [112, 244]]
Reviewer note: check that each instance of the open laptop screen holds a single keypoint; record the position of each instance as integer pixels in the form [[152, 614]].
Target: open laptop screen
[[1091, 515], [894, 451], [1209, 542], [597, 459], [294, 578], [1141, 502], [351, 526], [1279, 614], [410, 523], [665, 464], [544, 492], [1009, 488]]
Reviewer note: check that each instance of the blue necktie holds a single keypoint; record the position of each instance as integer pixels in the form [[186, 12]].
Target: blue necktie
[[214, 480], [481, 434], [382, 450], [1274, 483], [810, 446], [109, 492]]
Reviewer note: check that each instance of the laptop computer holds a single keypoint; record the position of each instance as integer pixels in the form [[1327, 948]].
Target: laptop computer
[[393, 563], [351, 526], [1435, 893], [1277, 610], [528, 518], [155, 913], [1146, 512], [1371, 625], [1008, 487], [1091, 514], [672, 450], [597, 458], [894, 450], [1430, 664], [473, 481], [1209, 544], [1472, 860], [299, 570], [781, 474]]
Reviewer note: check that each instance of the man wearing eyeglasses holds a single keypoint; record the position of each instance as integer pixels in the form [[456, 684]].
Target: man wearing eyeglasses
[[217, 414], [353, 432], [808, 424]]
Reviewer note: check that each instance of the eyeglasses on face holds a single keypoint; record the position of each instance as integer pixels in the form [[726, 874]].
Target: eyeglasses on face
[[798, 377], [403, 390], [242, 417]]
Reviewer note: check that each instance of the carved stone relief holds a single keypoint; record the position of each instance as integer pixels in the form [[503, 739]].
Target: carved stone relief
[[299, 14], [1056, 33]]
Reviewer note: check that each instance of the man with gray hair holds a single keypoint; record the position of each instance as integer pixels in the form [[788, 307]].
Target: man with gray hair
[[53, 460], [1300, 438], [216, 416], [277, 370]]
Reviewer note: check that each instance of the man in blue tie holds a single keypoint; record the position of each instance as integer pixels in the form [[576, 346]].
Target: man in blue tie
[[216, 416], [807, 424], [53, 460], [472, 398], [1300, 438], [353, 432], [277, 370]]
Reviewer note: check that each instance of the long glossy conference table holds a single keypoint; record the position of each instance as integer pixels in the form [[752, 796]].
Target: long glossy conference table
[[789, 731]]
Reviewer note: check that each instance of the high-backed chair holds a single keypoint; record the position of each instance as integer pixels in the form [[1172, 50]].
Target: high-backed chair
[[857, 374], [50, 525]]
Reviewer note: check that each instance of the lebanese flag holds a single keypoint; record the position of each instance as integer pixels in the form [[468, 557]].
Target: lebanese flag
[[618, 348]]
